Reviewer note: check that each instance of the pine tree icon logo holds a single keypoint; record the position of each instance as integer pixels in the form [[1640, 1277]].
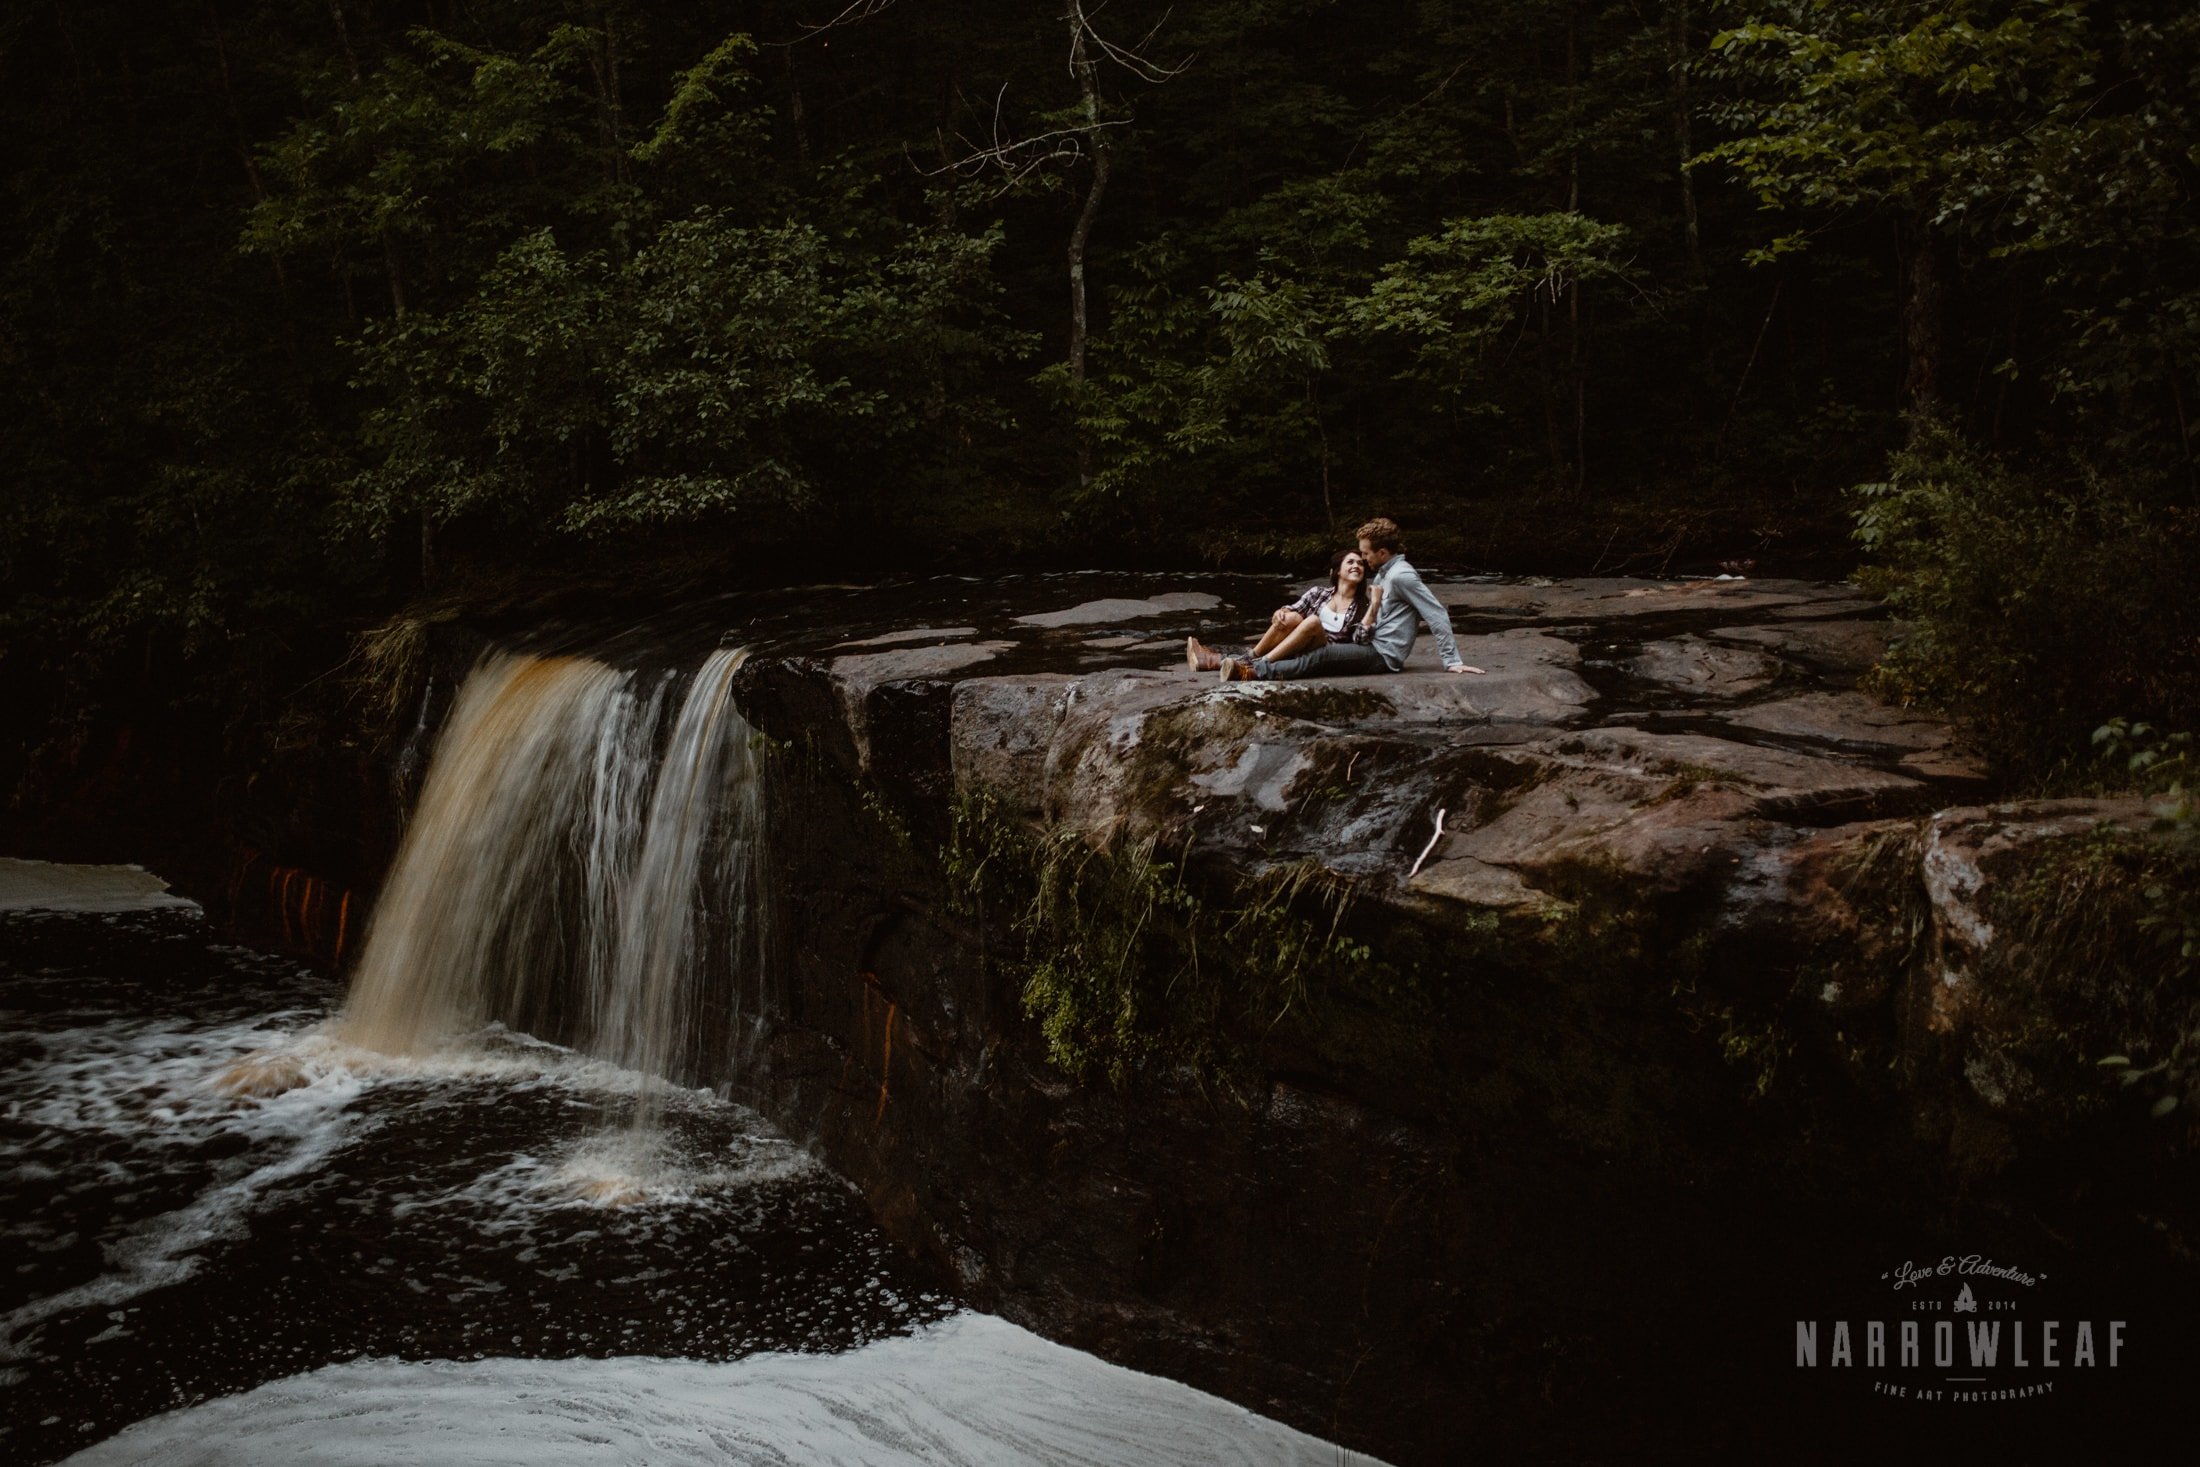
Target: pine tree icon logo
[[1965, 1304]]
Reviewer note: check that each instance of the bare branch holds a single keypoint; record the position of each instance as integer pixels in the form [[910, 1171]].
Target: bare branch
[[1147, 39], [854, 12], [1403, 112], [1131, 59], [1018, 158], [1135, 64]]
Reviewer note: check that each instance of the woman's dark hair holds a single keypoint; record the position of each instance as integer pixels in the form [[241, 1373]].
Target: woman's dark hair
[[1336, 569]]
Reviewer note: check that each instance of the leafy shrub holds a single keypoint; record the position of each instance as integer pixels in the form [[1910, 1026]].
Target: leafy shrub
[[2161, 764], [2034, 608]]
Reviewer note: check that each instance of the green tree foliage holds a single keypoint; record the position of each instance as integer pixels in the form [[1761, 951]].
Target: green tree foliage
[[1989, 130], [1910, 107], [717, 364], [304, 305], [615, 332], [2038, 155], [1461, 294]]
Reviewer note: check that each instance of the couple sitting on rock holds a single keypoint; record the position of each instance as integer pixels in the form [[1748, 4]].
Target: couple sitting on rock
[[1362, 622]]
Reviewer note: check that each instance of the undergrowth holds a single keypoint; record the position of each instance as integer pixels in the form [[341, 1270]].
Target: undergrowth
[[1124, 963], [2032, 605], [1129, 963]]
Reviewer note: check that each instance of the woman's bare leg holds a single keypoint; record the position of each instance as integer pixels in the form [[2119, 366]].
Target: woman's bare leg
[[1281, 625], [1304, 637]]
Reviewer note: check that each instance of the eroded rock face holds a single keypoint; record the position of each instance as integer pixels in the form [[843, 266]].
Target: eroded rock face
[[1845, 718], [1839, 647], [1664, 813], [1543, 768], [1696, 668], [881, 695], [1653, 744], [1968, 847], [1688, 903], [1971, 856], [913, 634]]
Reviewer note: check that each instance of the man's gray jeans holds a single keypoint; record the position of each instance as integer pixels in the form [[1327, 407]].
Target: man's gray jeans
[[1339, 659]]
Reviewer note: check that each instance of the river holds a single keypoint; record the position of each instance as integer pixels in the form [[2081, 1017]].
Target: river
[[237, 1238]]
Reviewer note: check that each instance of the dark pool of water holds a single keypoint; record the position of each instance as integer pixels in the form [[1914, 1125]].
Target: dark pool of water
[[168, 1241]]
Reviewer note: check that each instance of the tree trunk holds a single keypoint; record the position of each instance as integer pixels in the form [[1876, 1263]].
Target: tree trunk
[[611, 125], [795, 114], [1573, 118], [1551, 432], [1574, 480], [427, 551], [389, 240], [2184, 432], [1580, 374], [1081, 64], [1321, 436], [1684, 137], [397, 276], [611, 87], [343, 35], [1924, 320], [244, 151]]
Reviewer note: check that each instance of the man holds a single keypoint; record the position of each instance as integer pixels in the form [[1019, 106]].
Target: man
[[1401, 598]]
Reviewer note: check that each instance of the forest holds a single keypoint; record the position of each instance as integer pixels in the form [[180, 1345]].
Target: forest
[[312, 308]]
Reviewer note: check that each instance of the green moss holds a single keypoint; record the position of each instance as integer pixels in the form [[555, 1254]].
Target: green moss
[[1123, 962], [2094, 935], [890, 819], [1318, 703], [1128, 963], [2096, 912]]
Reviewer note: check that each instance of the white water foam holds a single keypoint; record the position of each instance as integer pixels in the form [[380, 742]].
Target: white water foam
[[147, 1085], [619, 1167], [972, 1390], [112, 1103]]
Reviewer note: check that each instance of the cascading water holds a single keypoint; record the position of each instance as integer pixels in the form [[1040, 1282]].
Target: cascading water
[[568, 854]]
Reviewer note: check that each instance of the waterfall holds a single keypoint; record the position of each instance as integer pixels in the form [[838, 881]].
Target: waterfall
[[576, 869]]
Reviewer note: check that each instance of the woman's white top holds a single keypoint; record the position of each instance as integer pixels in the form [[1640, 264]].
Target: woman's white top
[[1333, 620]]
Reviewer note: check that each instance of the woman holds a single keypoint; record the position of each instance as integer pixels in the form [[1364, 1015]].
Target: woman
[[1342, 611]]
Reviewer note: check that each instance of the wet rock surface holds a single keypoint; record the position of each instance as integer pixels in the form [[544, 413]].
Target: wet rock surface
[[1657, 892], [1851, 719], [1695, 667], [1841, 647], [1657, 729]]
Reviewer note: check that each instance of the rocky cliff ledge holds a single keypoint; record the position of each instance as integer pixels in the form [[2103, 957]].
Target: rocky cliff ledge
[[1401, 1056]]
